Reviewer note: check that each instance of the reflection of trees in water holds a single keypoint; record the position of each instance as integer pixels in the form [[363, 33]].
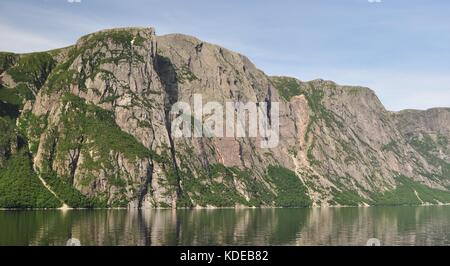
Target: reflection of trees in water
[[324, 226], [33, 227], [392, 225]]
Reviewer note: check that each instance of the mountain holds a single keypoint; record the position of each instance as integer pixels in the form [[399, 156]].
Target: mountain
[[90, 126]]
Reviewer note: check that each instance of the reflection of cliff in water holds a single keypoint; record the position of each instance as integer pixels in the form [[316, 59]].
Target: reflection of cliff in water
[[324, 226], [155, 227], [392, 225], [223, 227]]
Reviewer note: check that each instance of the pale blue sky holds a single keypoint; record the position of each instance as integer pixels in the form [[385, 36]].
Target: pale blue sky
[[399, 48]]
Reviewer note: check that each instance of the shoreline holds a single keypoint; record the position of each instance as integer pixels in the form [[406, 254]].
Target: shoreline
[[216, 208]]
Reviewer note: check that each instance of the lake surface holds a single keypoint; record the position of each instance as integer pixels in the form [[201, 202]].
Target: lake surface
[[324, 226]]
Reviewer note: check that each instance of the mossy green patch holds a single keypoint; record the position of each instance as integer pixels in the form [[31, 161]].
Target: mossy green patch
[[185, 74], [33, 68], [99, 127], [291, 192], [287, 87], [21, 188], [92, 57], [347, 197], [32, 126], [409, 192], [7, 60], [391, 146], [207, 190], [7, 132], [430, 148], [68, 194]]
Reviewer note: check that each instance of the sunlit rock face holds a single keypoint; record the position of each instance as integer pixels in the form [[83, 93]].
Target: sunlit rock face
[[97, 125]]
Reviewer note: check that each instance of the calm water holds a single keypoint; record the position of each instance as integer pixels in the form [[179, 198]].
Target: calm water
[[326, 226]]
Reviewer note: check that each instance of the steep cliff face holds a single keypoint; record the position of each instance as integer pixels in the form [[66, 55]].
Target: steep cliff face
[[428, 132], [95, 120], [360, 148]]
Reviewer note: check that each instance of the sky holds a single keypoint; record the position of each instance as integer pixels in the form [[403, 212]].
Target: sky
[[398, 48]]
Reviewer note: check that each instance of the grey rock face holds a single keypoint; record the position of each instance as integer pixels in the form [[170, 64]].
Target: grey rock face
[[104, 127]]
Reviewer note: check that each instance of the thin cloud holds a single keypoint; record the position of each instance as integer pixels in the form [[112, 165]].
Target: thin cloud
[[15, 39]]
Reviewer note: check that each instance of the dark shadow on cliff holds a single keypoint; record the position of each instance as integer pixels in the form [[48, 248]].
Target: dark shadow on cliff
[[168, 76]]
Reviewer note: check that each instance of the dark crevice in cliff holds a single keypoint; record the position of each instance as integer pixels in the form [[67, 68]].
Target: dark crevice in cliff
[[74, 156], [147, 181], [52, 152], [203, 154], [168, 76], [268, 101], [241, 153]]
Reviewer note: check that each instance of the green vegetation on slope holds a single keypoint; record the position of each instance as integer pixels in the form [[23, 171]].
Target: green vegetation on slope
[[122, 37], [32, 69], [10, 103], [287, 87], [7, 60], [80, 121], [405, 194], [207, 191], [430, 148], [92, 57], [32, 126], [347, 197], [97, 125], [19, 185], [7, 132], [93, 132], [90, 130], [185, 74], [223, 186], [21, 188], [291, 192], [8, 110], [218, 188], [30, 72], [70, 195], [10, 96]]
